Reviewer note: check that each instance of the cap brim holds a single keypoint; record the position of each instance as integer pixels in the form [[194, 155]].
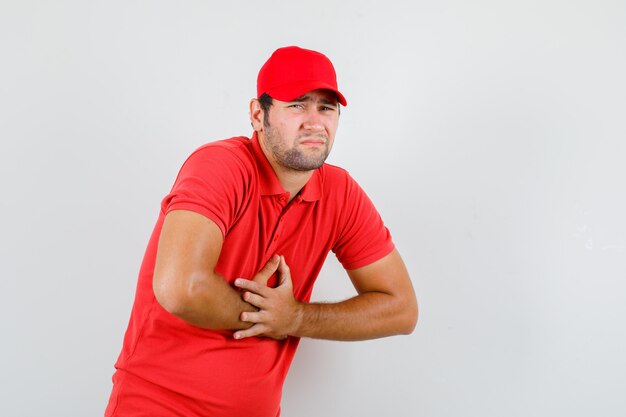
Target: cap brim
[[288, 92]]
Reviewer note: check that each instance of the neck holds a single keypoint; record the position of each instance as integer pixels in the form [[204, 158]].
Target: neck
[[291, 180]]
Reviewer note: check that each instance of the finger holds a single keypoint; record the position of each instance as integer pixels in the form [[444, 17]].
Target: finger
[[256, 330], [285, 272], [254, 299], [251, 317], [251, 286], [266, 272]]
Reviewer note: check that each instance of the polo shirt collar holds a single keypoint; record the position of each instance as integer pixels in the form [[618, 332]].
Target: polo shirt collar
[[268, 180]]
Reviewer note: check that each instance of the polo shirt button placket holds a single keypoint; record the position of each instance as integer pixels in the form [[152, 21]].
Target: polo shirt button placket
[[277, 233]]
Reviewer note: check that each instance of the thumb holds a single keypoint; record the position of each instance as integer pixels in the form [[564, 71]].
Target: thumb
[[266, 272], [285, 273]]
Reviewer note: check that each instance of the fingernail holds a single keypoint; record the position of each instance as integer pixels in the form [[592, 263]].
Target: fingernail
[[237, 336], [238, 282]]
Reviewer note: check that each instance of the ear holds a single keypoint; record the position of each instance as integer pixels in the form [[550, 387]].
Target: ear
[[256, 115]]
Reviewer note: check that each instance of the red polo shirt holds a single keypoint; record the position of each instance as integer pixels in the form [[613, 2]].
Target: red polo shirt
[[170, 367]]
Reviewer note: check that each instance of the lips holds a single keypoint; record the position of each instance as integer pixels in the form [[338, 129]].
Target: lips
[[313, 141]]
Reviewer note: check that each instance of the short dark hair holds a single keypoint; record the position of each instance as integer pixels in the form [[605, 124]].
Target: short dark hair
[[265, 101]]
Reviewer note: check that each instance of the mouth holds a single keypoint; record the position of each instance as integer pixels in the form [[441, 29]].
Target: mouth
[[313, 141]]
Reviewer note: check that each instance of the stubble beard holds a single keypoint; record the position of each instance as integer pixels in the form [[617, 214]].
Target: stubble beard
[[293, 158]]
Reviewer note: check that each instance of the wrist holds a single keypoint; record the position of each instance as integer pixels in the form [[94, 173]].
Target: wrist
[[298, 319]]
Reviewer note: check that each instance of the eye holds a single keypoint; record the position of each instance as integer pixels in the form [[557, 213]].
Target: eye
[[296, 106]]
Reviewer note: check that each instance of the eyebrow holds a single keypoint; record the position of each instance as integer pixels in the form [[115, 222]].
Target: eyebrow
[[306, 98]]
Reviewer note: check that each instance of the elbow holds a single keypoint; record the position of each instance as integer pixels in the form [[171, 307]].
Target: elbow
[[169, 300], [174, 299], [409, 320]]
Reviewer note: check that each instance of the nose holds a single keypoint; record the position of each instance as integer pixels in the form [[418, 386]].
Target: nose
[[313, 121]]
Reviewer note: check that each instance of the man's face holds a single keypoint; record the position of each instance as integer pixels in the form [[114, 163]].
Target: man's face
[[298, 135]]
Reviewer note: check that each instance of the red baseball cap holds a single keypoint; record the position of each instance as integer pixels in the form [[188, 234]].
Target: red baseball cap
[[292, 72]]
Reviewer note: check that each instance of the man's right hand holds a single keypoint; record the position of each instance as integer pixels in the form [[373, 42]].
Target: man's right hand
[[279, 313], [263, 276]]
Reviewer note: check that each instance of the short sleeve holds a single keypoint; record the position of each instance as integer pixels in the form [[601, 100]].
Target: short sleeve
[[212, 182], [364, 238]]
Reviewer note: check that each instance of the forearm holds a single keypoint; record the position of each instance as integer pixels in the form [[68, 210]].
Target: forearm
[[385, 306], [208, 301], [367, 316], [204, 300]]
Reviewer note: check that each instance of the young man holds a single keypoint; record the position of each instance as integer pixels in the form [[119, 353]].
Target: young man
[[224, 288]]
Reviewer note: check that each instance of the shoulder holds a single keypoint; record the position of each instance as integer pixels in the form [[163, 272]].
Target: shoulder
[[220, 161], [342, 191], [337, 181], [222, 158], [236, 150]]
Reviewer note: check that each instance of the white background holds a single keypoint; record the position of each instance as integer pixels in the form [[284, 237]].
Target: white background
[[490, 135]]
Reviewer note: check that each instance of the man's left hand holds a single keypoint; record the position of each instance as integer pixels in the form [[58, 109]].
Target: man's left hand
[[279, 313]]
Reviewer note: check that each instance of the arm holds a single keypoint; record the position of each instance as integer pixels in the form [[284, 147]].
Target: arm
[[185, 282], [385, 306]]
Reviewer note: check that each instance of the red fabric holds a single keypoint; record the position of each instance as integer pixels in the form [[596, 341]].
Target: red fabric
[[292, 71], [208, 372]]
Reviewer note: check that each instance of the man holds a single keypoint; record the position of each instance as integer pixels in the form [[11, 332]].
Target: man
[[224, 288]]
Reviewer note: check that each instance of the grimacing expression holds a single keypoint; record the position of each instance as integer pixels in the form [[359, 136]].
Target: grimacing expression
[[300, 133]]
